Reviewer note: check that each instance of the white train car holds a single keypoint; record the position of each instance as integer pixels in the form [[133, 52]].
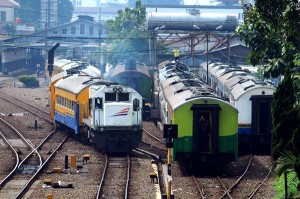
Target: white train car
[[251, 96]]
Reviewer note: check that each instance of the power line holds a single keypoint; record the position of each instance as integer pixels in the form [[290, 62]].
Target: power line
[[39, 12]]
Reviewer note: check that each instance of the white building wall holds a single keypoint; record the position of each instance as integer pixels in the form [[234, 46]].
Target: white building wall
[[10, 14]]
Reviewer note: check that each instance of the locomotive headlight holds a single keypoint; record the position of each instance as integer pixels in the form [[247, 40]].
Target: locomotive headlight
[[115, 89], [120, 89]]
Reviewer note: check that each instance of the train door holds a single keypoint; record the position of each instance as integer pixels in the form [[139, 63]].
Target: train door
[[204, 130], [205, 127], [261, 123]]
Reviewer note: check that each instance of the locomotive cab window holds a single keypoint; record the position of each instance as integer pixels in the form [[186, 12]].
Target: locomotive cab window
[[91, 103], [136, 104], [110, 97], [123, 97], [98, 103]]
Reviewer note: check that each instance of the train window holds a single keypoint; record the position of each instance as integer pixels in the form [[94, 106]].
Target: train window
[[59, 100], [67, 103], [64, 102], [124, 97], [98, 103], [112, 97], [136, 104], [73, 106], [90, 103]]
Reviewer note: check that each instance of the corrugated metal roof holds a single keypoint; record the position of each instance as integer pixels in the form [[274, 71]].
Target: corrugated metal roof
[[238, 80], [74, 83], [82, 67], [9, 3]]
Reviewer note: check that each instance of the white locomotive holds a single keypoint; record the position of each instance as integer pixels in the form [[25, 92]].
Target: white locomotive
[[107, 113]]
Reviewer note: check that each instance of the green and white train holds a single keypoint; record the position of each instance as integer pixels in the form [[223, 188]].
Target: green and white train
[[186, 100]]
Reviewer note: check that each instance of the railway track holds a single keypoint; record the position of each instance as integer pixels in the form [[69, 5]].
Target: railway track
[[246, 185], [209, 187], [237, 182], [29, 160], [27, 106], [115, 178], [153, 138], [217, 187], [249, 183], [7, 81]]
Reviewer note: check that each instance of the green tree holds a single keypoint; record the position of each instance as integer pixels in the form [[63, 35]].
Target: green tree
[[285, 118], [271, 30], [10, 28], [127, 36], [65, 10], [29, 80], [30, 11]]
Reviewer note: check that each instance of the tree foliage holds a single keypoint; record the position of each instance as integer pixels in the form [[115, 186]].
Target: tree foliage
[[65, 11], [127, 36], [10, 29], [271, 30], [30, 11], [29, 80], [285, 118]]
